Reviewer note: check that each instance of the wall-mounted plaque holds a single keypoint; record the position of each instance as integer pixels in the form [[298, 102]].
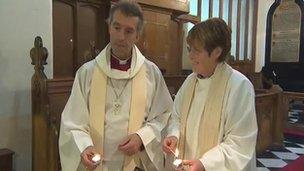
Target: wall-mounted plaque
[[286, 27]]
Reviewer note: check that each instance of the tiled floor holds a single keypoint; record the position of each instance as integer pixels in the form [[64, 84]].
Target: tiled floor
[[295, 113], [275, 159]]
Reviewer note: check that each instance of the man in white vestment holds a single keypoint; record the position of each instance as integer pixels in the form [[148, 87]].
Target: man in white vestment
[[213, 122], [118, 106]]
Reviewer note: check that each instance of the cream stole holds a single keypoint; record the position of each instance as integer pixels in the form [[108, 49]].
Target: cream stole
[[211, 118], [97, 110]]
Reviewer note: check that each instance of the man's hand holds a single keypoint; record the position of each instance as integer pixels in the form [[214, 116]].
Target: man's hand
[[130, 145], [86, 158], [169, 144], [194, 165]]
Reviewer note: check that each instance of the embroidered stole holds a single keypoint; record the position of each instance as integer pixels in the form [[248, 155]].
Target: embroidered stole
[[97, 110], [211, 118]]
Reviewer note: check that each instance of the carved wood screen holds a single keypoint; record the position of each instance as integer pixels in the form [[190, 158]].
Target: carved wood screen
[[241, 16]]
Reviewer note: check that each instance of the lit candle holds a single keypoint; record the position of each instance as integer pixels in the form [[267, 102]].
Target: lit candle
[[177, 163], [176, 153], [96, 158]]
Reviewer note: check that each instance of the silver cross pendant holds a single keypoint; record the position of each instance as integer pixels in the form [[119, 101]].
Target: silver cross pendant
[[117, 106]]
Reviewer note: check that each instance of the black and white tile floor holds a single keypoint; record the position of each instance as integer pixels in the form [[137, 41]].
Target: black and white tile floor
[[275, 159], [296, 112]]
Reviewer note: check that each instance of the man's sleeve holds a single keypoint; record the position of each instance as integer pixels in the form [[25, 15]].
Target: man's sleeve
[[156, 119], [159, 111], [74, 130]]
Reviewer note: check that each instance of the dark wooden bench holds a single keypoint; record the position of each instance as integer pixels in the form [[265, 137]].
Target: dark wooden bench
[[6, 159]]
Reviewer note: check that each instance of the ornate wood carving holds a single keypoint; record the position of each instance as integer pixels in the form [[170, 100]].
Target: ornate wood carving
[[39, 55], [49, 97]]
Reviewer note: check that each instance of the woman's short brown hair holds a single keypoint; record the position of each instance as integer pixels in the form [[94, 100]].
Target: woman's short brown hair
[[212, 33]]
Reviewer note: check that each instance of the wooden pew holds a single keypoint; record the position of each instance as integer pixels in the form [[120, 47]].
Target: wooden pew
[[6, 159], [270, 120], [49, 97], [287, 98]]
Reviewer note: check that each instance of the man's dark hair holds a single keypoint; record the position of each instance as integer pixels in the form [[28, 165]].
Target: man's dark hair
[[129, 9]]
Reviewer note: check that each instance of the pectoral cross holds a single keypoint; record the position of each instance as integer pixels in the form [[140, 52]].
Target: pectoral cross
[[117, 106]]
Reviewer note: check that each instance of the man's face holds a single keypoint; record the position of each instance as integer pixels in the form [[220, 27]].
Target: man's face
[[201, 60], [123, 34]]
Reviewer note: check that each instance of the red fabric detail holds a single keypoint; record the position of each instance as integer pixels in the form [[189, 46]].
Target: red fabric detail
[[122, 67]]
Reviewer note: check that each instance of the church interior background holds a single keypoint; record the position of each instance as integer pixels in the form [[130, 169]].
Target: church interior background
[[254, 36]]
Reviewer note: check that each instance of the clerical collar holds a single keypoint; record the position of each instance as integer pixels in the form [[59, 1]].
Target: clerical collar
[[122, 65], [199, 76]]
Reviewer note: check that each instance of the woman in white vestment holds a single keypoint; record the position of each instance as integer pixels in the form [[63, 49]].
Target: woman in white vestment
[[213, 124]]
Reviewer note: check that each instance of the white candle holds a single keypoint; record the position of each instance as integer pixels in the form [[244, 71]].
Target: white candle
[[176, 153], [96, 158], [177, 163]]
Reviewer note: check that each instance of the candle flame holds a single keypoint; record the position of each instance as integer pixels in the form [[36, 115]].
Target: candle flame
[[176, 153], [177, 163], [96, 158]]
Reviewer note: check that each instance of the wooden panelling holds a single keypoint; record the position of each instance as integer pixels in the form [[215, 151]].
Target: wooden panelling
[[245, 67], [161, 41], [92, 29], [177, 6], [77, 25], [63, 39], [270, 120]]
